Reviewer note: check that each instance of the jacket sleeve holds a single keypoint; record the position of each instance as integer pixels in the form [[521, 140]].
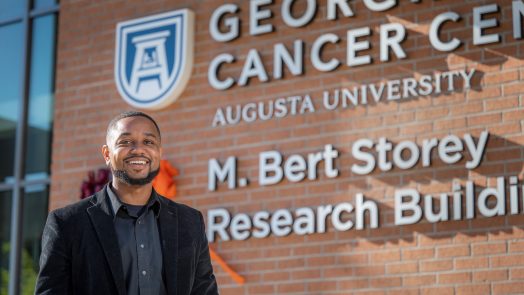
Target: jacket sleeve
[[55, 261], [205, 283]]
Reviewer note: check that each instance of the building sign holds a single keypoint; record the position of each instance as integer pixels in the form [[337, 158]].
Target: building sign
[[461, 201], [344, 98], [154, 58], [410, 207], [224, 26]]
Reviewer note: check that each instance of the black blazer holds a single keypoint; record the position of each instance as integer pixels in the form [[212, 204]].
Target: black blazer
[[80, 252]]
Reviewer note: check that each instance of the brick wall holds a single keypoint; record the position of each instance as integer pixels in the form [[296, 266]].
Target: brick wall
[[478, 256]]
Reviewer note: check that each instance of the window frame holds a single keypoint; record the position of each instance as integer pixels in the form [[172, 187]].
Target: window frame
[[17, 186]]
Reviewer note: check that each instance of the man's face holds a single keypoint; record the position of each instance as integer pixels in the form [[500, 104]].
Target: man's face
[[133, 151]]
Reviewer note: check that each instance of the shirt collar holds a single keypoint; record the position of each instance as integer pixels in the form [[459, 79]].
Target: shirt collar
[[116, 204]]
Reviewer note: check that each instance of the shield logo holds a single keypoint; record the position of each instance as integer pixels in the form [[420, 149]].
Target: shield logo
[[154, 58]]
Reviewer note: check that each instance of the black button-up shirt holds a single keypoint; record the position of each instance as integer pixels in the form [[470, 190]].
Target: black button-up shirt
[[139, 240]]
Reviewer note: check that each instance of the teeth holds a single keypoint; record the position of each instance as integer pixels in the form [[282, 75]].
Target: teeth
[[137, 162]]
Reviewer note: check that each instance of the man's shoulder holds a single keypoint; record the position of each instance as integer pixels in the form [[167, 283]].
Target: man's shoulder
[[180, 208], [75, 209]]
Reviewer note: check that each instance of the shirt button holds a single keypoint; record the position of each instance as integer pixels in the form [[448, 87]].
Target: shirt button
[[144, 272], [142, 246]]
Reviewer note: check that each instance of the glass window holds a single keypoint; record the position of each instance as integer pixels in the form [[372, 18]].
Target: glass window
[[5, 237], [40, 112], [35, 214], [11, 8], [37, 4], [10, 75]]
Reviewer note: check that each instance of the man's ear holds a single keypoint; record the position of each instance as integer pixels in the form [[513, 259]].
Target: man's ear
[[105, 154]]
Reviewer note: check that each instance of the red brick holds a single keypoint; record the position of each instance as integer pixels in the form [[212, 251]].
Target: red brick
[[471, 263], [419, 280], [416, 254], [490, 248], [490, 275], [401, 268], [517, 273], [452, 251], [473, 289], [437, 265], [454, 278], [516, 246], [437, 291], [385, 256], [385, 282], [508, 288], [509, 260]]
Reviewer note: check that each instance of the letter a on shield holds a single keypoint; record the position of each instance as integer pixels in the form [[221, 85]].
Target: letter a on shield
[[154, 58]]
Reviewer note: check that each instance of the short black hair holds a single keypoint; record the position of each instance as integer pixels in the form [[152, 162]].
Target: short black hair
[[128, 114]]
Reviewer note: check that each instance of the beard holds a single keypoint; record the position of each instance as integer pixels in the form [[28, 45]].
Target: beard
[[125, 178]]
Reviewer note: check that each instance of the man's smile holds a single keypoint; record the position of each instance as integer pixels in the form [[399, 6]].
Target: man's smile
[[137, 163]]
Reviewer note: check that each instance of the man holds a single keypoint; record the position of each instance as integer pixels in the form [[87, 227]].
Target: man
[[126, 239]]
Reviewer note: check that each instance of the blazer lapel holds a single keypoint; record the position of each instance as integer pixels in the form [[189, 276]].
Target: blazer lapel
[[102, 218], [168, 224]]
